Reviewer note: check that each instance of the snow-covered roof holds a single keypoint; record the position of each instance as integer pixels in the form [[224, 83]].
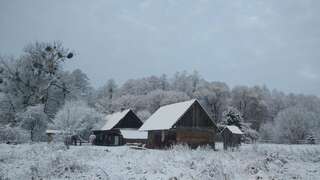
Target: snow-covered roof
[[113, 119], [133, 134], [234, 129], [51, 131], [166, 116]]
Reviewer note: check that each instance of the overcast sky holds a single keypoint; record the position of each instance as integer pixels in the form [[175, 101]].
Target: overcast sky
[[248, 42]]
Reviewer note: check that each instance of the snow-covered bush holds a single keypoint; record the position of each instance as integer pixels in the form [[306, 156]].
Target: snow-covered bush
[[40, 161], [13, 134], [250, 135]]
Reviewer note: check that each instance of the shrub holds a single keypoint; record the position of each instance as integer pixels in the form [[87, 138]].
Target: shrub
[[13, 135]]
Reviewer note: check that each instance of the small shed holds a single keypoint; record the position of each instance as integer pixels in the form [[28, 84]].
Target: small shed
[[51, 133], [120, 128], [180, 123], [231, 136]]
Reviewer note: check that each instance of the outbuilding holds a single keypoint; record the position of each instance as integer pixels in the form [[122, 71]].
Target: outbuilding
[[52, 133], [231, 136], [180, 123], [120, 128]]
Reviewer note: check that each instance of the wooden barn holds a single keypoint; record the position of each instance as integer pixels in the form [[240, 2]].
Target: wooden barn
[[180, 123], [120, 128], [231, 136]]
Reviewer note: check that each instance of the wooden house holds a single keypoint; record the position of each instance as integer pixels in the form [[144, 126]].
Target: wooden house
[[231, 136], [120, 128], [180, 123]]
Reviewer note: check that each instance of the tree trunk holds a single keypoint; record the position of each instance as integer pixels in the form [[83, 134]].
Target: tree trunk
[[31, 135]]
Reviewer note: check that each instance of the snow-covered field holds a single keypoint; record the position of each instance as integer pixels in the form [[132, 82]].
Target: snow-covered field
[[260, 161]]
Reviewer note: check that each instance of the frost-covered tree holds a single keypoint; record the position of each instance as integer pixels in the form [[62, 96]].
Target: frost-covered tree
[[109, 90], [105, 96], [294, 124], [277, 103], [144, 85], [232, 116], [7, 111], [77, 82], [155, 99], [143, 115], [35, 121], [267, 131], [125, 102], [184, 82], [251, 103], [76, 117], [35, 77], [214, 96]]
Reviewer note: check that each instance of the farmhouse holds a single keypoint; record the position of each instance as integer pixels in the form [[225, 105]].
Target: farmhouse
[[120, 128], [231, 136], [180, 123]]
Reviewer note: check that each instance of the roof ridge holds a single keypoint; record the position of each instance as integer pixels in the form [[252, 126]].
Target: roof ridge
[[179, 103]]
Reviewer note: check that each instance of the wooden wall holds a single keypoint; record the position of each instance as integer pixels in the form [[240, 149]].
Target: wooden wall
[[107, 138], [188, 136], [230, 140], [200, 137]]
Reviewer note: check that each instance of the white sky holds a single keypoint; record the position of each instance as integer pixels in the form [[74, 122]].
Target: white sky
[[247, 42]]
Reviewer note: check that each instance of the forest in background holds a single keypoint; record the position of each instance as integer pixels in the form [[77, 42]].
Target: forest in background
[[36, 93]]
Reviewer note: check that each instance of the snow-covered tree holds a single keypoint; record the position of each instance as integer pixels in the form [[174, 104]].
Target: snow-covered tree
[[77, 82], [158, 98], [232, 116], [267, 131], [294, 124], [35, 121], [184, 82], [76, 117], [277, 103], [251, 103], [144, 86], [124, 102], [105, 96], [7, 111], [143, 115], [214, 96], [35, 77]]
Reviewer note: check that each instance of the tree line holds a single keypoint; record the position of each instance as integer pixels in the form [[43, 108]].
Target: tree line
[[36, 93]]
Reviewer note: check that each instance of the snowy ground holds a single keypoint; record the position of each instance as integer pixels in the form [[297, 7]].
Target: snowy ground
[[262, 161]]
